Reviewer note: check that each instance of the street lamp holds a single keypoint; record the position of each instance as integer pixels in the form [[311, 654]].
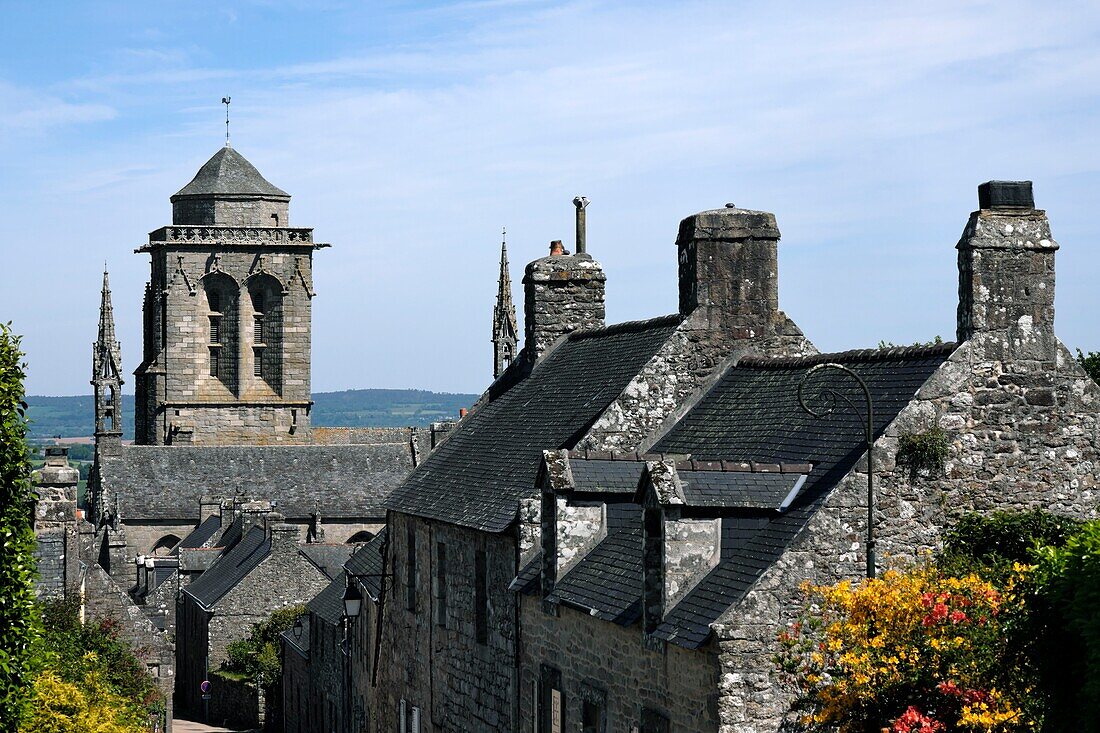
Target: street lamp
[[353, 601], [868, 421], [298, 629]]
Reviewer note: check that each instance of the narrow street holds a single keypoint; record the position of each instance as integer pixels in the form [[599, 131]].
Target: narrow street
[[180, 725]]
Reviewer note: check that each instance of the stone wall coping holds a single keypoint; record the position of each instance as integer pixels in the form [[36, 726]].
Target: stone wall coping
[[855, 355], [689, 464]]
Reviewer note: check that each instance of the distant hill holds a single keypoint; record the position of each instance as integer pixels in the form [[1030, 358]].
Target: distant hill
[[72, 417]]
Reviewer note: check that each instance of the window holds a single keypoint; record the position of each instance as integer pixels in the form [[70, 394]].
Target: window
[[258, 329], [215, 352], [402, 718], [410, 570], [481, 598], [257, 362], [593, 709], [441, 584], [653, 722], [414, 722], [552, 705]]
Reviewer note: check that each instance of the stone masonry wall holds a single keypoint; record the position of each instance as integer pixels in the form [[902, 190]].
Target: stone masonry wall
[[1021, 437], [595, 654], [458, 683], [562, 293]]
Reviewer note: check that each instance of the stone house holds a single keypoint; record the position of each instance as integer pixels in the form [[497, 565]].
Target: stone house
[[449, 649], [264, 570], [661, 580], [320, 692]]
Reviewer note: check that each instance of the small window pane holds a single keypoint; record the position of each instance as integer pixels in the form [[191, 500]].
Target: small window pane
[[214, 353]]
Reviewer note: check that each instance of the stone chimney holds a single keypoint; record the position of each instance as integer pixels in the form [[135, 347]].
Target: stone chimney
[[728, 271], [284, 538], [253, 514], [208, 507], [1006, 276], [561, 293]]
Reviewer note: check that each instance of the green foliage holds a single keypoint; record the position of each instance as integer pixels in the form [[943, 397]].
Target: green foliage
[[95, 654], [18, 619], [257, 657], [1090, 363], [891, 345], [924, 453], [1065, 630], [991, 544]]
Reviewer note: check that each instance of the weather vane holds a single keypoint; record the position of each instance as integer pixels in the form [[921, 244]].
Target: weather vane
[[226, 100]]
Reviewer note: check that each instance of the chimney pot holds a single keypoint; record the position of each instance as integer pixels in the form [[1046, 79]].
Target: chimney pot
[[1006, 195], [556, 248]]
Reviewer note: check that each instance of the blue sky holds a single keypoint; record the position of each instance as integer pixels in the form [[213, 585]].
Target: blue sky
[[410, 133]]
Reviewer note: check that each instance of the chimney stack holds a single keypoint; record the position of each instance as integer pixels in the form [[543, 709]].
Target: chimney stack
[[1006, 276], [561, 293], [284, 537], [728, 271]]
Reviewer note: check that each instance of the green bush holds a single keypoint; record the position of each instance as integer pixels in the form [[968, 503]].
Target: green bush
[[257, 657], [18, 619], [992, 543], [76, 652], [1066, 630]]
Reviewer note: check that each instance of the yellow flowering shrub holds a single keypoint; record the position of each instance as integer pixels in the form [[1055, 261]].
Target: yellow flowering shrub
[[914, 651], [92, 707]]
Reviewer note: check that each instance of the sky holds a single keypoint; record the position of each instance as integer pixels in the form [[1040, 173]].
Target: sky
[[410, 134]]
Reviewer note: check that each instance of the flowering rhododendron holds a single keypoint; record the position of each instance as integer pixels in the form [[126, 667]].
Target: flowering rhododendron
[[912, 652]]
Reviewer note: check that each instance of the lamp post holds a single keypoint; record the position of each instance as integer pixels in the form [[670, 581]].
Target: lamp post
[[353, 605], [868, 421]]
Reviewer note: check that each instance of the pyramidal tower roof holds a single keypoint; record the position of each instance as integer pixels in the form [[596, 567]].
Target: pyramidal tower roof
[[228, 173]]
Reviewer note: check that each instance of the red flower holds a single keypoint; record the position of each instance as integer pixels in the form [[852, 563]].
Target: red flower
[[949, 688], [914, 721], [958, 617]]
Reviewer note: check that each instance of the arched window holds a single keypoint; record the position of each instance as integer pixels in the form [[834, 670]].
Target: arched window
[[221, 303], [266, 299], [164, 545]]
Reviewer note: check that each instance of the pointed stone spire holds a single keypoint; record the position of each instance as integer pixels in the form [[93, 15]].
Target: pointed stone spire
[[107, 371], [505, 330]]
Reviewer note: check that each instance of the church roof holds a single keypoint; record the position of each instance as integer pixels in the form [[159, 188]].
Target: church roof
[[229, 173], [477, 476], [167, 482]]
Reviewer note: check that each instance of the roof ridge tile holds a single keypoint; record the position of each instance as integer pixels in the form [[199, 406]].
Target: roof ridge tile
[[854, 355]]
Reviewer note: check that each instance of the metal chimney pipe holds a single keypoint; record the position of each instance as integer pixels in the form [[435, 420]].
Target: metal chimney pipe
[[582, 237]]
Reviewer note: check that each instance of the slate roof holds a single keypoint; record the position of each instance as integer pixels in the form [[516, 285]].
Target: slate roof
[[230, 569], [228, 173], [200, 534], [330, 558], [607, 582], [343, 481], [603, 476], [739, 489], [329, 603], [476, 477], [366, 564], [752, 414]]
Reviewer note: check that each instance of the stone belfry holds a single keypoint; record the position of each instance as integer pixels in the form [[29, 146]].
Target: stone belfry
[[227, 315], [107, 376], [505, 330]]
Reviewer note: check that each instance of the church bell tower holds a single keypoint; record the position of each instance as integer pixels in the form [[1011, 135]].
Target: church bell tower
[[107, 376], [227, 321]]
